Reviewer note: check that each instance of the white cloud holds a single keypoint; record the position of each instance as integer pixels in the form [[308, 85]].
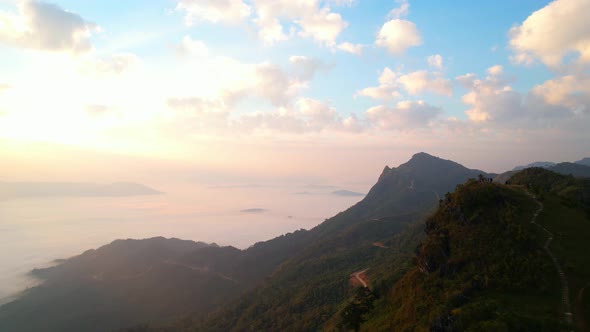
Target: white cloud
[[191, 47], [482, 93], [405, 115], [556, 103], [4, 87], [421, 81], [356, 49], [435, 61], [401, 11], [306, 115], [233, 81], [323, 26], [305, 68], [115, 64], [270, 31], [271, 82], [569, 90], [414, 83], [214, 11], [495, 70], [387, 88], [200, 115], [466, 80], [97, 110], [318, 115], [398, 35], [45, 26], [307, 18], [553, 32]]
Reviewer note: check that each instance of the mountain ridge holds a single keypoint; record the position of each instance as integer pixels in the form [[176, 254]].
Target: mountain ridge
[[295, 282]]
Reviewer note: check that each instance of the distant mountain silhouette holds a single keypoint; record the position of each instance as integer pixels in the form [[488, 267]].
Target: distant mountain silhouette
[[347, 193], [585, 161], [574, 169], [254, 210], [543, 164], [9, 190]]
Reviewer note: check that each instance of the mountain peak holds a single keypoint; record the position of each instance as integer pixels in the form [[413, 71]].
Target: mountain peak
[[422, 156]]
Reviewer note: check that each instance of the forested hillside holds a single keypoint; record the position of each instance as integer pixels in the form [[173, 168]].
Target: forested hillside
[[433, 246]]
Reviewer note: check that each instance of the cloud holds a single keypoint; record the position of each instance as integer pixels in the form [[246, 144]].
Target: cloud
[[414, 83], [356, 49], [307, 19], [398, 35], [552, 33], [572, 91], [561, 102], [261, 84], [97, 110], [435, 61], [199, 115], [191, 47], [45, 26], [113, 65], [273, 83], [317, 115], [421, 81], [404, 116], [495, 70], [305, 68], [214, 11], [401, 11], [323, 26], [270, 31], [305, 115], [387, 88], [4, 87]]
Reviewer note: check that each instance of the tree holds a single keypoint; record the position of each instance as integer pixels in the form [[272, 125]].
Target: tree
[[355, 313]]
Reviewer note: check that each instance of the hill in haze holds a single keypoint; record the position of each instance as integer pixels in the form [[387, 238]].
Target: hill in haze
[[565, 168], [543, 164]]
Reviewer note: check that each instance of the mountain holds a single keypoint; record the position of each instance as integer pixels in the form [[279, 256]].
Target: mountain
[[123, 283], [573, 169], [576, 170], [347, 193], [585, 161], [378, 233], [11, 190], [491, 260], [543, 164], [223, 288]]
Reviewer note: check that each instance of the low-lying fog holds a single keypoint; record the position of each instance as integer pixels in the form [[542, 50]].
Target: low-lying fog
[[36, 231]]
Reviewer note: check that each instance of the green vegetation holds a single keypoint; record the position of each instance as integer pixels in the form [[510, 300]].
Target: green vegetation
[[479, 268], [567, 215], [356, 311], [474, 264]]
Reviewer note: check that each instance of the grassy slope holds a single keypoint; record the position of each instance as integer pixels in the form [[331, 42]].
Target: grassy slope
[[485, 269], [567, 216], [572, 229]]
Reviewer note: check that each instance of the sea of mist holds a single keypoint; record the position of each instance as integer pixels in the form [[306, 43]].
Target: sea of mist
[[34, 232]]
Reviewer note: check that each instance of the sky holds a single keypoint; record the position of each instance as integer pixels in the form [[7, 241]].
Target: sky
[[293, 90]]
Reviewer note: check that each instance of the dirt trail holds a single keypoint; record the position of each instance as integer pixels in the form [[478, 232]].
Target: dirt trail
[[565, 292], [582, 324], [359, 276]]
